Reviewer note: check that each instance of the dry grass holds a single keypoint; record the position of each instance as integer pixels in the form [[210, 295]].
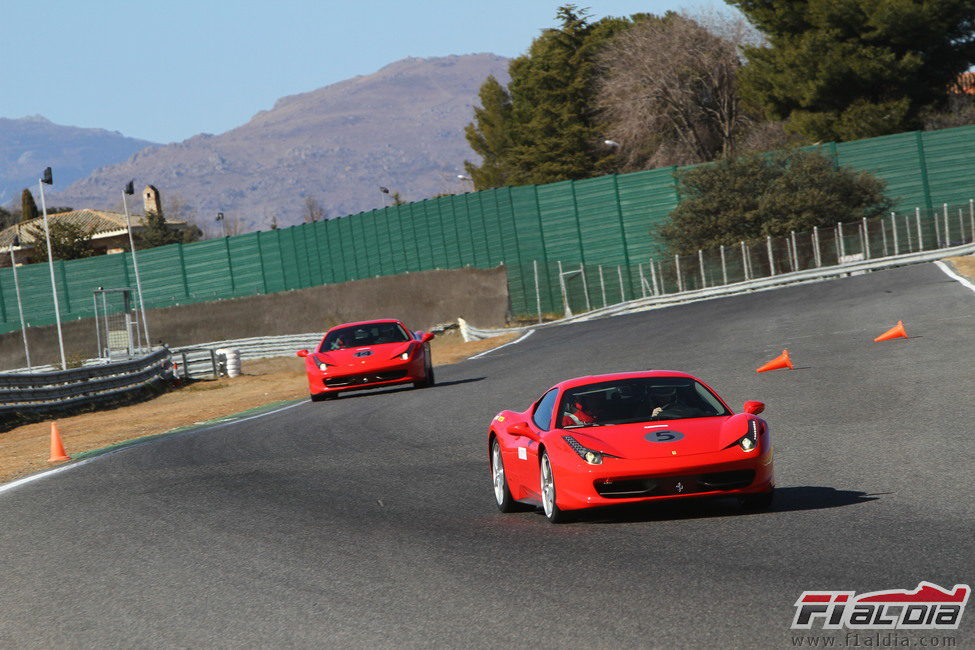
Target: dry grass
[[964, 265], [25, 450]]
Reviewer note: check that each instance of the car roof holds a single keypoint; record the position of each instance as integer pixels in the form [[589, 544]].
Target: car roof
[[368, 322], [639, 374]]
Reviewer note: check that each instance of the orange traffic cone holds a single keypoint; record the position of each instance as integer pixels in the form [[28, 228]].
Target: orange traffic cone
[[895, 332], [57, 447], [781, 361]]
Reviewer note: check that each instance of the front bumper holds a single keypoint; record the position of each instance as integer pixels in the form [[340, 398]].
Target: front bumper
[[724, 473], [339, 378]]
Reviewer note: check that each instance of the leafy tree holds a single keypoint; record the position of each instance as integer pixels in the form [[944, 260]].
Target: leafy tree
[[156, 232], [849, 69], [7, 218], [760, 195], [28, 209], [542, 127], [69, 241]]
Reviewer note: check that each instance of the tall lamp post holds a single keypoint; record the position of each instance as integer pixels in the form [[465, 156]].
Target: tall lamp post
[[129, 190], [47, 179], [20, 305], [385, 192]]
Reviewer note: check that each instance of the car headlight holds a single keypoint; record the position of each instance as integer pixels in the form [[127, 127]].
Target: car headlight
[[749, 441], [405, 355], [323, 367], [591, 456]]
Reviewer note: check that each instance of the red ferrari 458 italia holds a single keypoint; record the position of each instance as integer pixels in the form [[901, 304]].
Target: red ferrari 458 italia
[[368, 355], [629, 437]]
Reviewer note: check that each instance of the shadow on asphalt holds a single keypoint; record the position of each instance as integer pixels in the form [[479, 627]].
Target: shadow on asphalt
[[787, 499], [399, 389]]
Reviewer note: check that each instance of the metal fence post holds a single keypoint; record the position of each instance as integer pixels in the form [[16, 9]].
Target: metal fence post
[[795, 251], [842, 243], [602, 284], [907, 232], [961, 227], [744, 259], [865, 239], [585, 286], [700, 262], [619, 272], [771, 258], [643, 286], [893, 228], [883, 231], [653, 277], [724, 268], [920, 237], [937, 229], [947, 238], [971, 216], [566, 310], [680, 280], [538, 294], [213, 362], [816, 254]]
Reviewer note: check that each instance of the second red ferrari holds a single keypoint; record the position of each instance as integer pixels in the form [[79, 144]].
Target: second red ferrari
[[369, 354]]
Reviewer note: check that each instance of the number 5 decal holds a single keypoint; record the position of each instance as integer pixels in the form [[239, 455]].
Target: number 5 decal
[[664, 436]]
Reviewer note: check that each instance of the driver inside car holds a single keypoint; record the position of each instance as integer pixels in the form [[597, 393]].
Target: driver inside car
[[583, 410], [667, 405]]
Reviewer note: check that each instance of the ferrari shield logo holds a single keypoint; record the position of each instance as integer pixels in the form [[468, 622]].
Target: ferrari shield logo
[[679, 487]]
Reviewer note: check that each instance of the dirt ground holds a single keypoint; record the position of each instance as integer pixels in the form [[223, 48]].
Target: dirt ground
[[25, 450]]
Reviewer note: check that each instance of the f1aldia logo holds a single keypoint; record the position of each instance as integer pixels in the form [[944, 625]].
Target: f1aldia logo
[[929, 607]]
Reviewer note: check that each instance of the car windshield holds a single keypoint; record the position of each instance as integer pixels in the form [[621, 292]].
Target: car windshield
[[642, 399], [360, 335]]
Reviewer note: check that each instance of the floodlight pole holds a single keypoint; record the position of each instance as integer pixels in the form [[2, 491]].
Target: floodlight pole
[[20, 305], [50, 263], [135, 265]]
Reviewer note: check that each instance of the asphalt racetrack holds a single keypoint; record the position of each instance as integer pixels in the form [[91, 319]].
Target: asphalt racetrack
[[370, 520]]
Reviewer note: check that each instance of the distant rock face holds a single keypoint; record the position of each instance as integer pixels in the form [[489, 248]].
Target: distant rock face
[[29, 144], [401, 127]]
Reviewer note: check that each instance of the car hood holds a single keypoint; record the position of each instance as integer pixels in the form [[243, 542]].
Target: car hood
[[663, 438], [375, 353]]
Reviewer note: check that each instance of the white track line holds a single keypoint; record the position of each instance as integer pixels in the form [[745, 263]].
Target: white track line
[[33, 477], [951, 274], [517, 340]]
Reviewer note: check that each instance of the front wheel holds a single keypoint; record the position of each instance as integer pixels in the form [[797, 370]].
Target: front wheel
[[762, 501], [502, 495], [549, 505], [427, 373]]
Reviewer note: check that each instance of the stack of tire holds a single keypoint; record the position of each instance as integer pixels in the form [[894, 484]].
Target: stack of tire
[[230, 361]]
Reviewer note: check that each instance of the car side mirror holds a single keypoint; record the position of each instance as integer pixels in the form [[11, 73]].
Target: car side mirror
[[427, 337], [519, 429], [754, 407], [301, 353]]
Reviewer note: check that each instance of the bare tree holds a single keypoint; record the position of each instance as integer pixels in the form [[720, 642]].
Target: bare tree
[[313, 210], [669, 93]]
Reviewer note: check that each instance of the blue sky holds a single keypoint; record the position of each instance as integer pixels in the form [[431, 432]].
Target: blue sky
[[165, 71]]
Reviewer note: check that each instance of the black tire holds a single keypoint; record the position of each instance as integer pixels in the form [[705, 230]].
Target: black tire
[[755, 502], [428, 378], [502, 495], [550, 506], [319, 397]]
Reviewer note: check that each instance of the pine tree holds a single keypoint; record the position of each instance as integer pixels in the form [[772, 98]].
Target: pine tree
[[856, 68], [28, 209], [543, 128]]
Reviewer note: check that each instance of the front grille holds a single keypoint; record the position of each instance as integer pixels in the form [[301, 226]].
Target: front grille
[[358, 380], [629, 488]]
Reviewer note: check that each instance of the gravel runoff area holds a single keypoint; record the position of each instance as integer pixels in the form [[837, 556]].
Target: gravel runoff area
[[25, 450]]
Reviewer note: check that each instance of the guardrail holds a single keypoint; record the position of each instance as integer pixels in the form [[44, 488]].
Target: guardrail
[[471, 333], [43, 392], [202, 360]]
